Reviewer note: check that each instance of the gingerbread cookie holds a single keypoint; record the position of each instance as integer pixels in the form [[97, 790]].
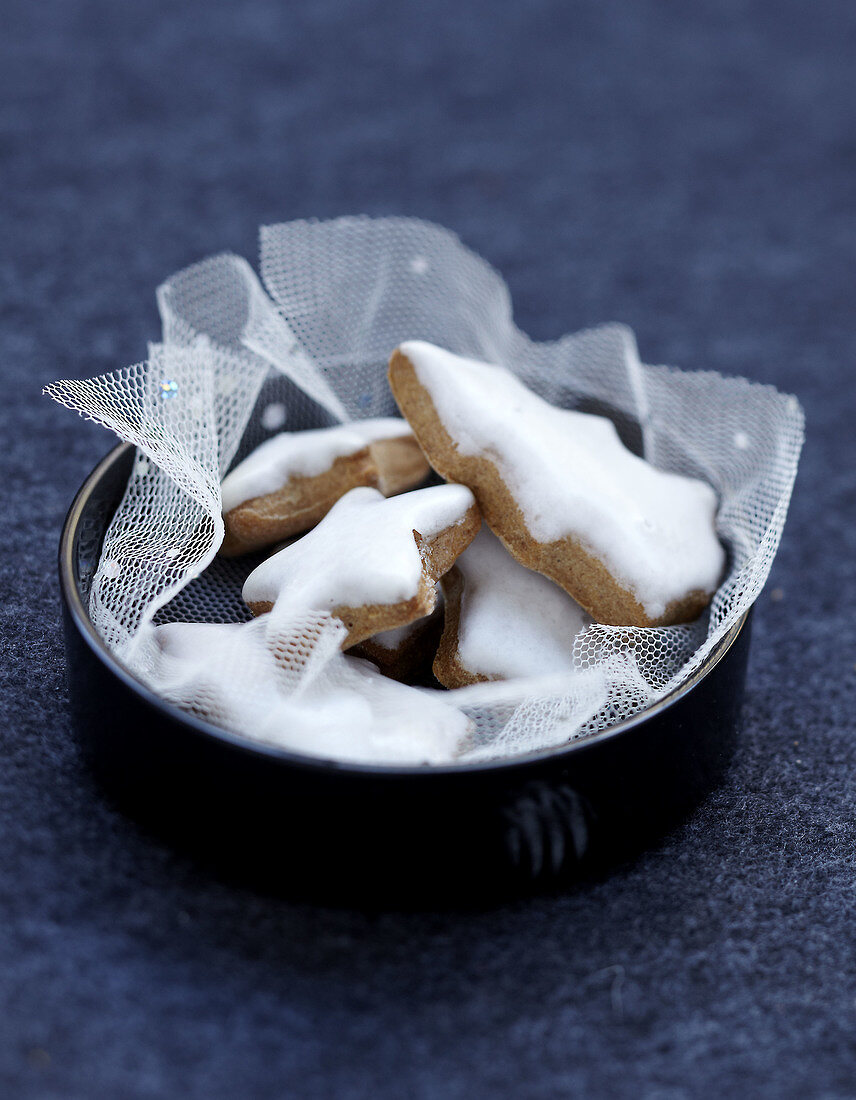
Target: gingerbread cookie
[[291, 481], [502, 620], [405, 653], [373, 561], [635, 546], [227, 675]]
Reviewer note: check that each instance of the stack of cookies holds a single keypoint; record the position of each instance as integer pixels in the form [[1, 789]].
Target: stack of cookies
[[546, 523]]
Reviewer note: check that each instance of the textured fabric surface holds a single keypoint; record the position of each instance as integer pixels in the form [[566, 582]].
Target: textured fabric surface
[[347, 290], [687, 169]]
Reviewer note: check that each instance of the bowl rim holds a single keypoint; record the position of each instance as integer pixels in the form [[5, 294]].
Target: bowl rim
[[85, 628]]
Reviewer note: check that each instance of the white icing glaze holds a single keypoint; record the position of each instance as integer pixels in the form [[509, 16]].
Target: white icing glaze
[[302, 454], [363, 552], [514, 622], [381, 427], [351, 713], [571, 476]]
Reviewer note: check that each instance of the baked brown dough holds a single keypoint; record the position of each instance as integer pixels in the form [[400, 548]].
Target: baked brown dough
[[447, 665], [382, 453], [355, 532], [405, 654], [565, 561], [297, 506]]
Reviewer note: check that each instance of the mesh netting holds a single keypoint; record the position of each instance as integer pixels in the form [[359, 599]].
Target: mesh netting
[[239, 362]]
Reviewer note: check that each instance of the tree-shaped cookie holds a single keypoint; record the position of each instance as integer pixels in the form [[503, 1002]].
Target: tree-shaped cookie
[[634, 545]]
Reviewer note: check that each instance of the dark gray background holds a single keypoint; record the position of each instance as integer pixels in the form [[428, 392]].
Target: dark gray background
[[687, 168]]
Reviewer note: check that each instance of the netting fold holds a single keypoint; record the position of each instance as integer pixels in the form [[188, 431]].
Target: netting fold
[[240, 360]]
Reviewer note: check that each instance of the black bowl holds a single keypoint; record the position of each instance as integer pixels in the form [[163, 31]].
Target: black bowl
[[321, 828]]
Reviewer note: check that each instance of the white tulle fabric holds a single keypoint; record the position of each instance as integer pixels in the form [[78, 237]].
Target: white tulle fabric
[[308, 346]]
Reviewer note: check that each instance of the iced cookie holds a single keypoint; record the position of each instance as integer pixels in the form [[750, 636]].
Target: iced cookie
[[502, 620], [406, 652], [372, 562], [226, 673], [634, 545], [291, 481]]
